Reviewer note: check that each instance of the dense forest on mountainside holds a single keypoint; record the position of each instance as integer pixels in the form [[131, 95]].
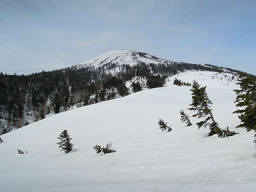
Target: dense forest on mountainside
[[27, 98]]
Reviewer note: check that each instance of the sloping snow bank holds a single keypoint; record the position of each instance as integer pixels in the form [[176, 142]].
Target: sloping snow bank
[[146, 159]]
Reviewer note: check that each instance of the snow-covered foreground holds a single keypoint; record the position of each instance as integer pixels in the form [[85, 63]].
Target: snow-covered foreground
[[146, 158]]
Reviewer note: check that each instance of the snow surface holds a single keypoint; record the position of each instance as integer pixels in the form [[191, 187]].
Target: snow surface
[[184, 160], [122, 57]]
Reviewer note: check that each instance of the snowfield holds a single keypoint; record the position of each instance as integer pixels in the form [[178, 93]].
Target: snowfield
[[183, 160]]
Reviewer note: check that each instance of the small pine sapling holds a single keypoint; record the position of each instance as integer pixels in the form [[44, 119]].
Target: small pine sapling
[[97, 148], [65, 142], [20, 151], [185, 118], [104, 150], [163, 126]]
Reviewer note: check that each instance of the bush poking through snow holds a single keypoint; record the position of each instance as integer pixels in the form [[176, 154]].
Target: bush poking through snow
[[227, 133], [65, 144], [20, 151], [1, 141], [104, 150], [180, 83], [163, 126], [185, 118]]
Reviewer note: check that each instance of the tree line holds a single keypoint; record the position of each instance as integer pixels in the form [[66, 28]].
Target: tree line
[[28, 98]]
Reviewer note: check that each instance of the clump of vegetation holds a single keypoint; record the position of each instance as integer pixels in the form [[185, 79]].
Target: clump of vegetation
[[163, 126], [1, 140], [122, 90], [65, 142], [104, 150], [185, 118], [155, 81], [21, 152], [136, 87], [180, 83], [227, 133]]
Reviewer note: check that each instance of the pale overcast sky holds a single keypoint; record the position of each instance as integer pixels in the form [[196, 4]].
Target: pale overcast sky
[[38, 35]]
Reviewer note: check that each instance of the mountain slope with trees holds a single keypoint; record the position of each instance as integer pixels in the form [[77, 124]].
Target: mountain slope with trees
[[28, 98]]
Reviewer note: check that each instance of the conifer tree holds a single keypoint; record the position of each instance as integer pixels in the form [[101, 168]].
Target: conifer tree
[[56, 103], [185, 118], [163, 126], [201, 104], [86, 100], [65, 144], [122, 90], [246, 102], [42, 112], [136, 86]]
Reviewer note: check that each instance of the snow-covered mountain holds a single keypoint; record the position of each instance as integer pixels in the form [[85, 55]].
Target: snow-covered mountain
[[147, 159], [26, 99], [123, 57]]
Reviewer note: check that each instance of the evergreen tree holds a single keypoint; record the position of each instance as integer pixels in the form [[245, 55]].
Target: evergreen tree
[[177, 82], [201, 104], [180, 82], [122, 90], [185, 118], [155, 81], [163, 126], [65, 144], [42, 112], [56, 103], [136, 87], [102, 94], [86, 100], [246, 102]]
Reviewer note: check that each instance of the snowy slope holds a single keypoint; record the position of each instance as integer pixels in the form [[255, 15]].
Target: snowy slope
[[123, 57], [146, 159]]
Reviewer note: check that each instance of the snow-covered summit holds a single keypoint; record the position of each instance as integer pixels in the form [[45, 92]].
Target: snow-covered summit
[[123, 57]]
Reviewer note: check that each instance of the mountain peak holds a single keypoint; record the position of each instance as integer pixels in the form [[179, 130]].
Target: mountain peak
[[122, 57]]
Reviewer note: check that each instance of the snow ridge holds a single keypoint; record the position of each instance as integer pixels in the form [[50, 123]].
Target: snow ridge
[[122, 57]]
